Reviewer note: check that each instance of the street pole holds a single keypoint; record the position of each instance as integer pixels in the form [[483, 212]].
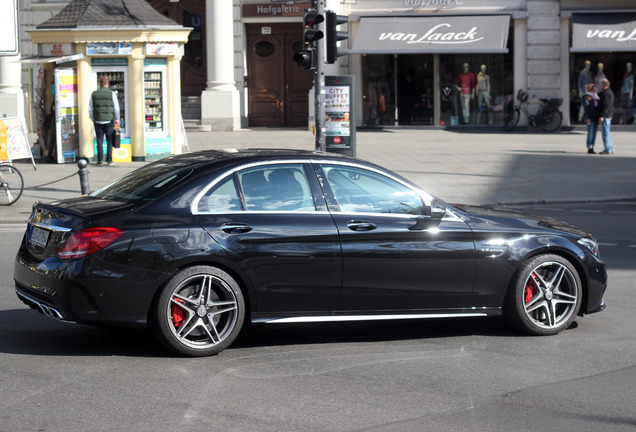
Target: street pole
[[319, 84]]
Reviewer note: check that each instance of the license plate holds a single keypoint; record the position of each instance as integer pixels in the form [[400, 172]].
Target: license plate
[[39, 236]]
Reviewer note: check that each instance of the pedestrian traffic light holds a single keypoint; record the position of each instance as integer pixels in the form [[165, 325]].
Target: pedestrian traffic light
[[311, 34], [305, 58], [333, 36]]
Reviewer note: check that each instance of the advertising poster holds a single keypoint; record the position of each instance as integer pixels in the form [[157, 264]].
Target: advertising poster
[[337, 112], [340, 128], [66, 115]]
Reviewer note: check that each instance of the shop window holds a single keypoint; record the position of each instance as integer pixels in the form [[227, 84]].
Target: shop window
[[399, 89], [618, 68], [475, 89]]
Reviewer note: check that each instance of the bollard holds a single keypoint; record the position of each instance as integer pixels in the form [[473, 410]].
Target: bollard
[[83, 175]]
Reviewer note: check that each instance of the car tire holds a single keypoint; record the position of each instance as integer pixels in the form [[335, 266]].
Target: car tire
[[199, 312], [545, 296]]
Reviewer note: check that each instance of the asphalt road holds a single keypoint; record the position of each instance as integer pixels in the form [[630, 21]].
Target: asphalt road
[[472, 374]]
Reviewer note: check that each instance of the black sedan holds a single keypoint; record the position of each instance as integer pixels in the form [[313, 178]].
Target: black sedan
[[196, 245]]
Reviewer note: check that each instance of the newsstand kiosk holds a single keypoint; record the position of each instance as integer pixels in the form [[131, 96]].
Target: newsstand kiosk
[[143, 66]]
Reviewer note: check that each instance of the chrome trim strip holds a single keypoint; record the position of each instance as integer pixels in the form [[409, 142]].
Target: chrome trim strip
[[425, 196], [197, 198], [46, 310], [49, 227], [309, 319]]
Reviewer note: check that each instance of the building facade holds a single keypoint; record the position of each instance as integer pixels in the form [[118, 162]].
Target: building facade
[[415, 62]]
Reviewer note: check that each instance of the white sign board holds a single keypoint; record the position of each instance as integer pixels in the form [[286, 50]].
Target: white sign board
[[10, 40]]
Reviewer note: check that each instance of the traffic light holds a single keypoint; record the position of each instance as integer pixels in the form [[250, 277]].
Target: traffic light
[[311, 34], [333, 36], [307, 56]]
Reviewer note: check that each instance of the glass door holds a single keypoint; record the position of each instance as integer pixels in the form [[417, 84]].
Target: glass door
[[118, 83], [155, 100]]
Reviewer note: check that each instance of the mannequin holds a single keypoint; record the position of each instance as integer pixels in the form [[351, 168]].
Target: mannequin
[[599, 75], [627, 91], [483, 94], [585, 78], [465, 85]]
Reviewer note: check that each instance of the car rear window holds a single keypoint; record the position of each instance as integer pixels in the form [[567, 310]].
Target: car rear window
[[144, 184]]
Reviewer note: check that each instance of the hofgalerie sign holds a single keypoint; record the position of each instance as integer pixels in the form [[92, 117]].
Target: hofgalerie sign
[[484, 34]]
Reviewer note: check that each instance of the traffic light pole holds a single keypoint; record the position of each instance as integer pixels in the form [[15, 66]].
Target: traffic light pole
[[319, 85]]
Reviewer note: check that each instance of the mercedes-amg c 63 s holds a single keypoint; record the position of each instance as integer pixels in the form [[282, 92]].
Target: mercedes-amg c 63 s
[[197, 245]]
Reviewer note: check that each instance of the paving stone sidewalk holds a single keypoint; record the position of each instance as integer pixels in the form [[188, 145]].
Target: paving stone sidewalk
[[462, 166]]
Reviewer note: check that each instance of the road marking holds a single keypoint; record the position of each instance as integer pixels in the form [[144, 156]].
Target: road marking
[[634, 246], [13, 227], [608, 244], [623, 212], [587, 211]]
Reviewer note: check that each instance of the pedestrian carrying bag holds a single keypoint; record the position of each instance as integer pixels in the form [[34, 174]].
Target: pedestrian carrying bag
[[116, 138]]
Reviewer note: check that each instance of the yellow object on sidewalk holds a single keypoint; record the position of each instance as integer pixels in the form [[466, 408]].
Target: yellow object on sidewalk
[[4, 154]]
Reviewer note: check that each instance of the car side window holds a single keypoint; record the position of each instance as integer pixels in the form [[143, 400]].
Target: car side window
[[280, 187], [223, 197], [364, 191]]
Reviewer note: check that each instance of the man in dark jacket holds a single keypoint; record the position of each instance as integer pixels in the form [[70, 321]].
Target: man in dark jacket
[[103, 108], [606, 111]]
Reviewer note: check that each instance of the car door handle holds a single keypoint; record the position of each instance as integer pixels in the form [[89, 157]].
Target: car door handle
[[355, 225], [236, 228]]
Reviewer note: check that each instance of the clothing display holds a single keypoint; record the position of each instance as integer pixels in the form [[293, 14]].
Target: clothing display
[[465, 83]]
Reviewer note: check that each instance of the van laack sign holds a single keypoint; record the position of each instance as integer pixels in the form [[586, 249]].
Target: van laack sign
[[601, 32], [487, 33]]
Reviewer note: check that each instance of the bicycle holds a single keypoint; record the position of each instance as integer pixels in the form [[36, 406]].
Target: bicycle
[[548, 117], [11, 184]]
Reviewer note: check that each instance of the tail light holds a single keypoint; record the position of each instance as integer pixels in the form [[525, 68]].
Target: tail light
[[88, 241]]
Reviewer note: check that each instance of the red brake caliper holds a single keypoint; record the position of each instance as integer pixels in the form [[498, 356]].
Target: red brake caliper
[[529, 290], [178, 314]]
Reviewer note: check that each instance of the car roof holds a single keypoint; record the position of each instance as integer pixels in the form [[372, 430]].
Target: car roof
[[204, 158]]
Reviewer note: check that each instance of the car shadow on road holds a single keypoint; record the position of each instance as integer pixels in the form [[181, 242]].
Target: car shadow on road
[[38, 335], [28, 332]]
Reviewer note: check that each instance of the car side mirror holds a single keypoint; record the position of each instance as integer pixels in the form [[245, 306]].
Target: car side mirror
[[438, 209]]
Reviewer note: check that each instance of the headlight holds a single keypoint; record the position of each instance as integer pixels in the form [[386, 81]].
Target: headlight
[[589, 244]]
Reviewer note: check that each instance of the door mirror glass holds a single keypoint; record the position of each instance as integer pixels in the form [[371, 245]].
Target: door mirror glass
[[438, 209]]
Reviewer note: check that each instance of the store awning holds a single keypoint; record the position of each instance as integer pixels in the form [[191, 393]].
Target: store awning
[[447, 34], [604, 32], [45, 59]]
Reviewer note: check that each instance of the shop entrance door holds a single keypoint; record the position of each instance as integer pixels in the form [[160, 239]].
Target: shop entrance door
[[189, 14], [277, 86]]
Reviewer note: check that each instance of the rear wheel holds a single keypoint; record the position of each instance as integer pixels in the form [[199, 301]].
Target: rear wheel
[[512, 119], [199, 312], [545, 297], [549, 119], [11, 185]]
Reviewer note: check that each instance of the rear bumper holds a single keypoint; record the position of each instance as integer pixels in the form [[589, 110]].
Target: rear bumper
[[43, 308]]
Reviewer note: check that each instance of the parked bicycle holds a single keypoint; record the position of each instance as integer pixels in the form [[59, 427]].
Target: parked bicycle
[[548, 117], [11, 184]]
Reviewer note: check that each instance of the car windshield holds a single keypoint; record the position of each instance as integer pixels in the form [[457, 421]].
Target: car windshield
[[144, 184]]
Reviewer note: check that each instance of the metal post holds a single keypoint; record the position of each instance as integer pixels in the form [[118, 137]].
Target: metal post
[[319, 81], [83, 175]]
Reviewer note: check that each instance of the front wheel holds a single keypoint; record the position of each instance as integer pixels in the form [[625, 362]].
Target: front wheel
[[549, 119], [512, 119], [199, 312], [11, 185], [545, 297]]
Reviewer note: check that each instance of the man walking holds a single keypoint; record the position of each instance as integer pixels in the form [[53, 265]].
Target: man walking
[[103, 109], [606, 111]]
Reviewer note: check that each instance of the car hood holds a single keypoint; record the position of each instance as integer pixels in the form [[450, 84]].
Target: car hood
[[488, 218]]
